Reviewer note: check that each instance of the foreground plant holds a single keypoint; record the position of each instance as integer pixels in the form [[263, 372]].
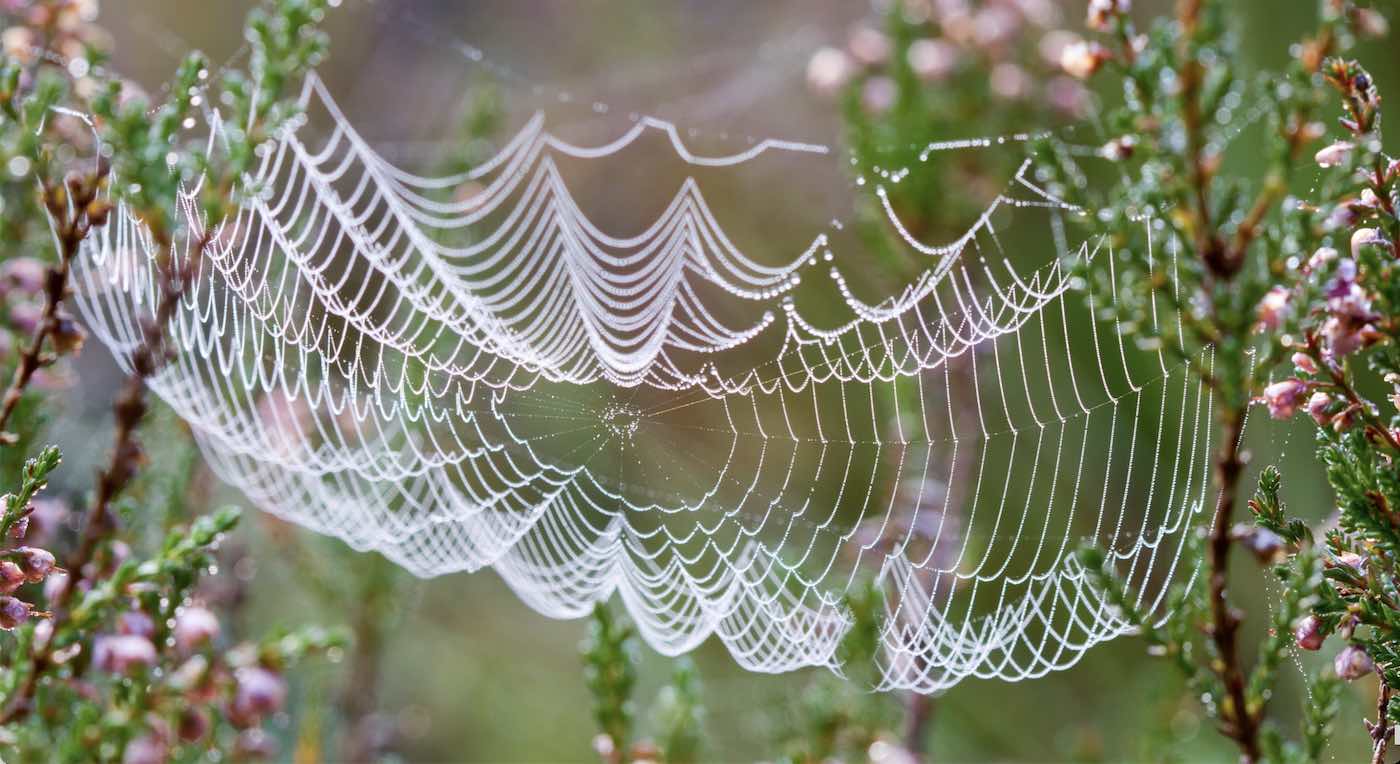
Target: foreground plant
[[1338, 315], [610, 656], [117, 656], [1236, 233]]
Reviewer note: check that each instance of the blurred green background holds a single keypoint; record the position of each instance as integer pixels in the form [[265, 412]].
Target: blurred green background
[[468, 672]]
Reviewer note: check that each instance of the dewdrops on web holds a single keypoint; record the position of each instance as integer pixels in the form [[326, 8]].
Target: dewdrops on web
[[447, 432]]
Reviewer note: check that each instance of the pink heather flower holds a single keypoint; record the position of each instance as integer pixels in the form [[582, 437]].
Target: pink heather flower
[[1365, 237], [1081, 59], [1010, 81], [1317, 408], [13, 612], [24, 274], [24, 317], [1274, 309], [147, 749], [1101, 11], [1119, 149], [1264, 544], [1353, 663], [1342, 216], [137, 623], [829, 71], [195, 626], [36, 563], [1053, 45], [1351, 560], [1284, 397], [995, 25], [1349, 327], [1304, 363], [55, 584], [1067, 96], [932, 60], [1321, 257], [1308, 634], [48, 516], [1336, 154], [11, 577], [260, 692], [869, 46], [1370, 23], [877, 95], [19, 43], [123, 653], [1042, 13]]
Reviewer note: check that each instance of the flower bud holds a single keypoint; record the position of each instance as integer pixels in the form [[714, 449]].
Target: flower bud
[[25, 274], [194, 627], [869, 46], [932, 60], [1082, 59], [11, 577], [1283, 398], [260, 692], [1264, 544], [1274, 308], [1366, 237], [1102, 11], [123, 653], [137, 623], [829, 71], [1053, 45], [146, 749], [1304, 363], [1370, 23], [1351, 560], [1317, 408], [13, 612], [1308, 634], [1353, 663], [1321, 257], [55, 585], [878, 95], [36, 563], [25, 317], [1338, 153], [1119, 149], [1010, 81]]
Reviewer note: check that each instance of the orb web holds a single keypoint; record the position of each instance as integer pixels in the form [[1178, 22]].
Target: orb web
[[470, 372]]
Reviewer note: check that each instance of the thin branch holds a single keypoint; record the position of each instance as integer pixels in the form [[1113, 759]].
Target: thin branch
[[72, 224], [123, 462]]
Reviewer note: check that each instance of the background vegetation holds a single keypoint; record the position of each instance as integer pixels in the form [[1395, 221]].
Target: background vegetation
[[457, 668]]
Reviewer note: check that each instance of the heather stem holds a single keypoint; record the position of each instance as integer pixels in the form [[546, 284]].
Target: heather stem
[[1236, 719], [1380, 733]]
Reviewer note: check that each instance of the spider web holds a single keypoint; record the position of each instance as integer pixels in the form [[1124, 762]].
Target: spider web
[[468, 372]]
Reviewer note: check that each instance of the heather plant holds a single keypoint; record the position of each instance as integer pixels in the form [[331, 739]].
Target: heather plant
[[1280, 285], [114, 651], [1334, 310], [610, 653], [1232, 237], [1251, 272]]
